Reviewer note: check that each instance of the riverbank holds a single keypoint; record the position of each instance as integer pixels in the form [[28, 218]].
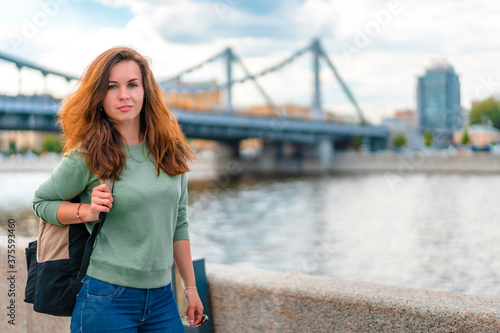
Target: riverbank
[[19, 163], [419, 161], [206, 166], [404, 162]]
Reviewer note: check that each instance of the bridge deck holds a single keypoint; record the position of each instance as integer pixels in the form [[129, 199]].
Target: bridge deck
[[38, 113]]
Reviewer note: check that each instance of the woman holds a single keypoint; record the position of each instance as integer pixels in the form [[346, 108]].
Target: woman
[[117, 127]]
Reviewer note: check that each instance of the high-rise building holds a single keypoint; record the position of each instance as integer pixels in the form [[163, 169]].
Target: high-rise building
[[438, 99]]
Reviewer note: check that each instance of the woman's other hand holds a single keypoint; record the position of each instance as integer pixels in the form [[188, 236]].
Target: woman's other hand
[[195, 308]]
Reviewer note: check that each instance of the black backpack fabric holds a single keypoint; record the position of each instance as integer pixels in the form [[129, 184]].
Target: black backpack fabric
[[57, 262]]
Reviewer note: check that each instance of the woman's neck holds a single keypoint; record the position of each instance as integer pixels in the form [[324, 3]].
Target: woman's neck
[[132, 141], [130, 136]]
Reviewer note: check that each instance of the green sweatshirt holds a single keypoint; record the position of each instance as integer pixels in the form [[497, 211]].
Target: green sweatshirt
[[135, 245]]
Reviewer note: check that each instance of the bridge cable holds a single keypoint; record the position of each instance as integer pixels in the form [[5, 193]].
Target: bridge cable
[[275, 67], [191, 69], [268, 99], [345, 88], [246, 78]]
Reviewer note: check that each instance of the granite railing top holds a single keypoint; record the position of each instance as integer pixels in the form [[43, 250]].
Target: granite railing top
[[363, 303]]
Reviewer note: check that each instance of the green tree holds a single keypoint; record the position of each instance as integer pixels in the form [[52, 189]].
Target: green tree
[[399, 141], [357, 141], [12, 148], [23, 150], [51, 143], [487, 109], [465, 137], [428, 138]]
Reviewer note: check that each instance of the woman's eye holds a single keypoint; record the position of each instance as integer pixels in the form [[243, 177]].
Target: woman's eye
[[112, 86], [132, 85]]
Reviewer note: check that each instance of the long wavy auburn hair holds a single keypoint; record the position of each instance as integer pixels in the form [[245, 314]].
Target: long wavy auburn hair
[[87, 127]]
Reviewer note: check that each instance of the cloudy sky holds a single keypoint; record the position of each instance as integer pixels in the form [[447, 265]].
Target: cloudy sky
[[379, 47]]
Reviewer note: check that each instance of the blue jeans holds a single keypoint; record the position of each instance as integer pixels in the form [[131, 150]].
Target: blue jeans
[[105, 307]]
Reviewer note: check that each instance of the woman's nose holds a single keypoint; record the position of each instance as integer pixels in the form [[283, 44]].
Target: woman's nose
[[124, 94]]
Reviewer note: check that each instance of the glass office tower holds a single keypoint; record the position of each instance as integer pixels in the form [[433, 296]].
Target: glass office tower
[[438, 99]]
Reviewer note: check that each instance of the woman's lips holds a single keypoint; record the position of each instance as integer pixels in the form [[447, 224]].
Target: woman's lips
[[125, 108]]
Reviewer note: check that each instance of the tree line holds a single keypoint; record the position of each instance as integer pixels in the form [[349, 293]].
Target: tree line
[[51, 143]]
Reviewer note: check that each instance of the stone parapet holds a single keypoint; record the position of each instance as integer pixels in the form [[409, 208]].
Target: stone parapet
[[256, 300]]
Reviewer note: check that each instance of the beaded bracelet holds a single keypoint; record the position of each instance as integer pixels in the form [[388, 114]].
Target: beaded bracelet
[[189, 288], [78, 213]]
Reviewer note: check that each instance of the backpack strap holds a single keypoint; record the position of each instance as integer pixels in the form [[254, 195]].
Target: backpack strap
[[89, 246]]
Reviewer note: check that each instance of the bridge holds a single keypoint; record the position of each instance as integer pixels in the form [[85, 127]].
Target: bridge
[[313, 138]]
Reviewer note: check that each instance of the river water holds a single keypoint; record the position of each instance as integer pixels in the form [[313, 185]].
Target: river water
[[432, 231]]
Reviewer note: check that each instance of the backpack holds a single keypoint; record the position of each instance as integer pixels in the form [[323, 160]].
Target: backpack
[[57, 262]]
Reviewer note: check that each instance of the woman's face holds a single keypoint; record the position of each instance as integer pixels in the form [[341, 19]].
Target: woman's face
[[123, 100]]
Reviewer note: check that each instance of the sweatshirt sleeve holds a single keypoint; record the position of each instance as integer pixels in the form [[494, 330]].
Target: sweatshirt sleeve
[[67, 181], [181, 229]]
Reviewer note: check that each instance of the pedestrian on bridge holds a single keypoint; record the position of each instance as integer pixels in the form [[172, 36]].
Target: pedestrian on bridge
[[117, 127]]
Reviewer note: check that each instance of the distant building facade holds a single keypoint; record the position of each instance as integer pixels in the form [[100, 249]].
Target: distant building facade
[[23, 140], [404, 122], [438, 99], [481, 136], [203, 96], [406, 116]]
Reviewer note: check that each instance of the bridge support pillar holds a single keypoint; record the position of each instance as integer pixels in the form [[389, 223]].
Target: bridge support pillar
[[31, 122], [378, 143], [325, 153], [368, 142], [228, 160]]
